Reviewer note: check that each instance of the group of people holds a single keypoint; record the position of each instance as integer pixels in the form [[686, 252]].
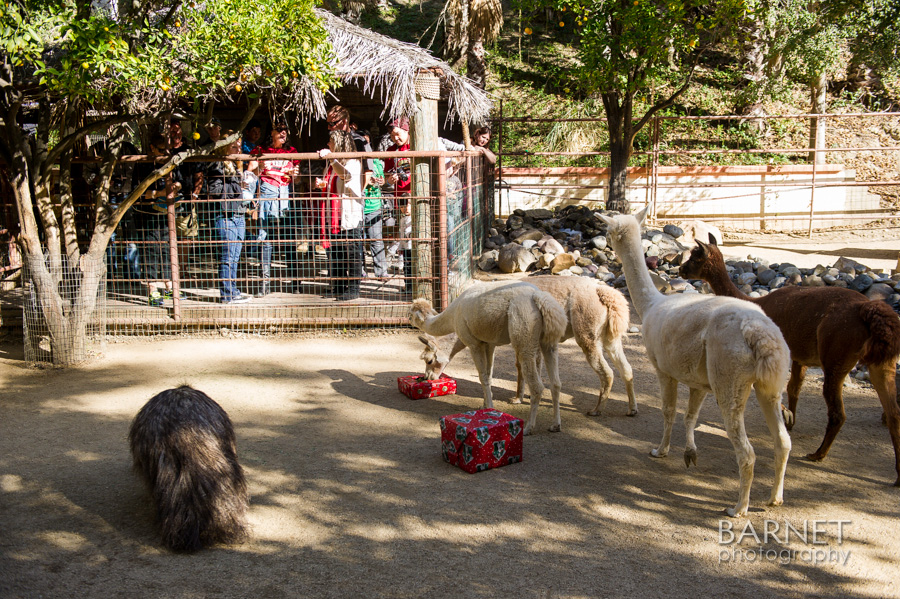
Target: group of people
[[356, 200]]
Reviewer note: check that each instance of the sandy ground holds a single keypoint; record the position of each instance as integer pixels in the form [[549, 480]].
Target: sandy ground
[[350, 496]]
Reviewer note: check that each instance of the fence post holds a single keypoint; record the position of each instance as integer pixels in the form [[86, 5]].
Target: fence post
[[497, 203], [812, 196], [442, 257], [173, 258], [423, 137], [654, 168]]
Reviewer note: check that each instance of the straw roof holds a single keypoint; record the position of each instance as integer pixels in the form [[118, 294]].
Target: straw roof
[[379, 64]]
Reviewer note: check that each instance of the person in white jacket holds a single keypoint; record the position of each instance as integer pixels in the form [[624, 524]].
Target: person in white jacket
[[343, 216]]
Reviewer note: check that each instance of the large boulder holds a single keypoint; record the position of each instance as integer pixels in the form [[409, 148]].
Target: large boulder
[[698, 229], [538, 213], [673, 230], [531, 235], [550, 246], [488, 260], [562, 262], [514, 258]]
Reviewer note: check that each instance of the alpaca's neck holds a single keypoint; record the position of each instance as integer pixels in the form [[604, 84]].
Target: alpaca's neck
[[716, 275], [640, 286], [440, 324]]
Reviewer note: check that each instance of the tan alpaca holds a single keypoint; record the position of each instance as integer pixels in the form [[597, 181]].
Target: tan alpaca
[[490, 314], [717, 344], [597, 318]]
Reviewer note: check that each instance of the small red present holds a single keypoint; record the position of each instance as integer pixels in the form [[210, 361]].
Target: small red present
[[418, 387], [481, 439]]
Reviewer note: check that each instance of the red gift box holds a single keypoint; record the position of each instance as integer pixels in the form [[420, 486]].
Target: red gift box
[[417, 387], [481, 439]]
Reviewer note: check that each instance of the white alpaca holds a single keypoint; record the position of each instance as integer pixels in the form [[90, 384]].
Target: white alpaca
[[597, 318], [490, 314], [717, 344]]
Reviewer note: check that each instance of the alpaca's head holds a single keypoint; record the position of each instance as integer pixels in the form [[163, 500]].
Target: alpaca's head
[[435, 357], [702, 260], [419, 311], [623, 226]]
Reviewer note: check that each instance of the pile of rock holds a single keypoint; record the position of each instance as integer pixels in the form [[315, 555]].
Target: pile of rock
[[571, 241]]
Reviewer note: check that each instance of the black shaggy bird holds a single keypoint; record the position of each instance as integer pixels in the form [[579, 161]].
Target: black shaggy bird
[[183, 447]]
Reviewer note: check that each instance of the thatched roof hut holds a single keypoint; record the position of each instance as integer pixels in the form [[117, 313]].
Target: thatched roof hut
[[385, 70]]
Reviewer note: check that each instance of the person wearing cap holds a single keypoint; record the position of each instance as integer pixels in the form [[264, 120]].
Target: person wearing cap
[[275, 178], [214, 129]]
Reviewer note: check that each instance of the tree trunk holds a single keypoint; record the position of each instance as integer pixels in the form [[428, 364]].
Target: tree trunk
[[816, 124], [456, 31], [63, 309], [618, 117], [618, 179], [755, 72], [475, 63]]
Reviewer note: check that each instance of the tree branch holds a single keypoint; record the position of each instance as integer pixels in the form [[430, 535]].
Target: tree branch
[[64, 144], [663, 104]]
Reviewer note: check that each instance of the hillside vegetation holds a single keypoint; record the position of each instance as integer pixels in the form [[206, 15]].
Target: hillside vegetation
[[530, 76]]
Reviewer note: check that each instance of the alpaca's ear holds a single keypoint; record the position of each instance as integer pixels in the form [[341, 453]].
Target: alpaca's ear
[[712, 240], [429, 342], [704, 249], [608, 220], [642, 215]]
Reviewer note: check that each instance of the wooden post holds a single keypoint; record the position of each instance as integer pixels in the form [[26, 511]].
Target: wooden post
[[173, 256], [424, 138], [467, 139]]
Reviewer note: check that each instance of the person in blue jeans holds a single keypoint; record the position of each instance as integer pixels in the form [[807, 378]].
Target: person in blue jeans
[[230, 224], [275, 177]]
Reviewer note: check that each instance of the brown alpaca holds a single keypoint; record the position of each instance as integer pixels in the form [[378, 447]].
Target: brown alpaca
[[830, 327]]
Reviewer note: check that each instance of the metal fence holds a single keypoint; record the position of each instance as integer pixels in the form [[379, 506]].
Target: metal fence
[[276, 259], [739, 172]]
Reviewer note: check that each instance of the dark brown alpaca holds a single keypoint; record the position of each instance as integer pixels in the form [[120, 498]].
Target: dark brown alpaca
[[830, 327]]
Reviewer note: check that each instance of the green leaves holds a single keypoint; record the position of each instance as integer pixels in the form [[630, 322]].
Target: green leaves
[[203, 49], [625, 45]]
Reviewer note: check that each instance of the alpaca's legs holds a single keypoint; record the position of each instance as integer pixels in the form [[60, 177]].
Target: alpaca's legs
[[551, 357], [882, 376], [520, 383], [483, 356], [617, 355], [520, 380], [771, 408], [798, 373], [594, 354], [535, 388], [690, 423], [669, 392], [832, 389], [732, 407]]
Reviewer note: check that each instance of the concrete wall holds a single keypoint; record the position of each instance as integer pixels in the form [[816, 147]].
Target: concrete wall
[[746, 197]]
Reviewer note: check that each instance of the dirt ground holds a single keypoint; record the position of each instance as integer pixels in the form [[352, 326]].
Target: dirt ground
[[350, 496]]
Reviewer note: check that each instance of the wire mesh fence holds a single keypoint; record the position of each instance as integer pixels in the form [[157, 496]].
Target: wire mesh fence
[[226, 249], [739, 172], [64, 311]]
